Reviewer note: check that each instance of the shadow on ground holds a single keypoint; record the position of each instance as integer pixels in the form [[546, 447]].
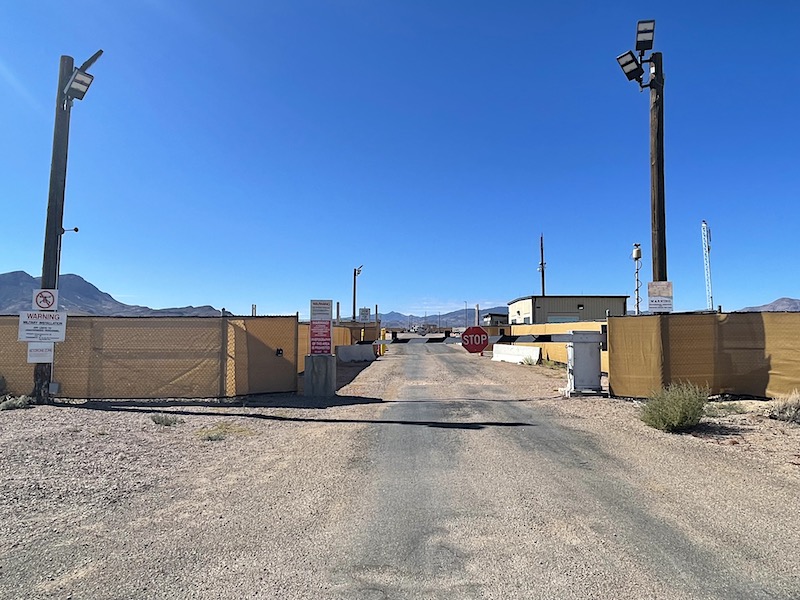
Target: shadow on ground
[[718, 431], [347, 372], [238, 410]]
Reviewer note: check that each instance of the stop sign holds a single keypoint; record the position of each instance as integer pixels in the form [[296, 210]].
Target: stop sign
[[475, 339]]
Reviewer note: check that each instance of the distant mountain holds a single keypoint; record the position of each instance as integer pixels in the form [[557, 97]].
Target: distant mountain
[[779, 305], [455, 318], [79, 297]]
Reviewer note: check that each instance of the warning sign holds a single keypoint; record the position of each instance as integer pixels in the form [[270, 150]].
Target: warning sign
[[45, 300], [40, 326], [40, 352], [321, 330]]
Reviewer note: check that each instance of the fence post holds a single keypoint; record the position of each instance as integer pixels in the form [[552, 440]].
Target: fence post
[[296, 348], [223, 356]]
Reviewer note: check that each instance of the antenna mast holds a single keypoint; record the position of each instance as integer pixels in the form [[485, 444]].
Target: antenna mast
[[541, 259], [706, 232], [636, 255]]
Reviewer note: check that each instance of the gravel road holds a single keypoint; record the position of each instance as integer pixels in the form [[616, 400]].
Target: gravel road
[[434, 475]]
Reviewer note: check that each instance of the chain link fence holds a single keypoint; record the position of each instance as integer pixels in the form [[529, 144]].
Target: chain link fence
[[747, 354], [161, 357]]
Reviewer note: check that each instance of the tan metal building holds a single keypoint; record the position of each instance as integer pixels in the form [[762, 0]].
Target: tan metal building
[[532, 310]]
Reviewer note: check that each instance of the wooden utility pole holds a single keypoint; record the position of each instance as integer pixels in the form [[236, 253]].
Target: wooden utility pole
[[658, 216], [55, 209]]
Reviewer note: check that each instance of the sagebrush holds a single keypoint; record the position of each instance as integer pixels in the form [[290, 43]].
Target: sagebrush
[[165, 420], [678, 407], [10, 402], [787, 409], [722, 409], [222, 430]]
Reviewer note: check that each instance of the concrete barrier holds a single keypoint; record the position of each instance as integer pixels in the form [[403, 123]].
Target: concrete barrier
[[357, 353], [516, 354], [320, 375]]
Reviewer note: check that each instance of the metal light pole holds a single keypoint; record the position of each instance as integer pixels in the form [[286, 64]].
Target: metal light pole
[[72, 84], [632, 67], [542, 264], [356, 273]]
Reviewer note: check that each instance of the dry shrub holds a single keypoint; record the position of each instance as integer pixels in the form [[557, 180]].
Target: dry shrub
[[786, 409], [222, 430], [165, 420], [10, 402], [678, 407]]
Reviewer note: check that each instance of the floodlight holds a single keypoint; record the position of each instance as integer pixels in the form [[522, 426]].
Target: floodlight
[[645, 32], [630, 65], [78, 84]]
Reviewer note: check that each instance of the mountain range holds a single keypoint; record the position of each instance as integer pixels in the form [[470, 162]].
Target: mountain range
[[779, 305], [79, 297]]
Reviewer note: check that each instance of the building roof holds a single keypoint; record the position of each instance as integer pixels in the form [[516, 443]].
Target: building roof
[[565, 296]]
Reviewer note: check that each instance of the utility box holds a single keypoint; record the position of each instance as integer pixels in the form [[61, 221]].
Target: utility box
[[583, 362]]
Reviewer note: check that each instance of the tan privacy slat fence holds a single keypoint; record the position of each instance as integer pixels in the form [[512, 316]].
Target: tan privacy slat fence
[[754, 354], [264, 357], [342, 336], [107, 357], [558, 351]]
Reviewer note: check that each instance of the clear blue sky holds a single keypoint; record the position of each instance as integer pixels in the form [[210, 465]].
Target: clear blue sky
[[255, 152]]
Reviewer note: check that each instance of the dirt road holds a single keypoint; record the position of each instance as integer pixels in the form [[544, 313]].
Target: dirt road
[[434, 474]]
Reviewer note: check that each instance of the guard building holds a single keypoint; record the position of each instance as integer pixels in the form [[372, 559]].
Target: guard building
[[532, 310]]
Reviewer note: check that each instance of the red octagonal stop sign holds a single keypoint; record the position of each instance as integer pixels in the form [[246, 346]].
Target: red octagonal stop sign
[[475, 339]]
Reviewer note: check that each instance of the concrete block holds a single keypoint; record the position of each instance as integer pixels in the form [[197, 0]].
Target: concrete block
[[516, 354], [320, 375], [357, 353]]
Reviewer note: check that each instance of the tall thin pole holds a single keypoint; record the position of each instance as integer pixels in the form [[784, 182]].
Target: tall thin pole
[[706, 234], [657, 212], [55, 208], [356, 273], [541, 259]]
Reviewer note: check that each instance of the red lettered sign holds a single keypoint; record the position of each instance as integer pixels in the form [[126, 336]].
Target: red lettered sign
[[475, 339], [321, 330]]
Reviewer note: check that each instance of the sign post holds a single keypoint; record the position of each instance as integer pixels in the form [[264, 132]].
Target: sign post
[[659, 296], [40, 352], [45, 300], [321, 330], [319, 375], [474, 339], [42, 326]]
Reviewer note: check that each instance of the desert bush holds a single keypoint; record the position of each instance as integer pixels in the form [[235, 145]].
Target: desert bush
[[714, 409], [786, 409], [675, 408], [165, 420], [222, 430], [10, 403], [551, 364], [528, 360]]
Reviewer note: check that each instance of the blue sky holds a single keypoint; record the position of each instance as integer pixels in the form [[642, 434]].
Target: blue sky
[[255, 152]]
